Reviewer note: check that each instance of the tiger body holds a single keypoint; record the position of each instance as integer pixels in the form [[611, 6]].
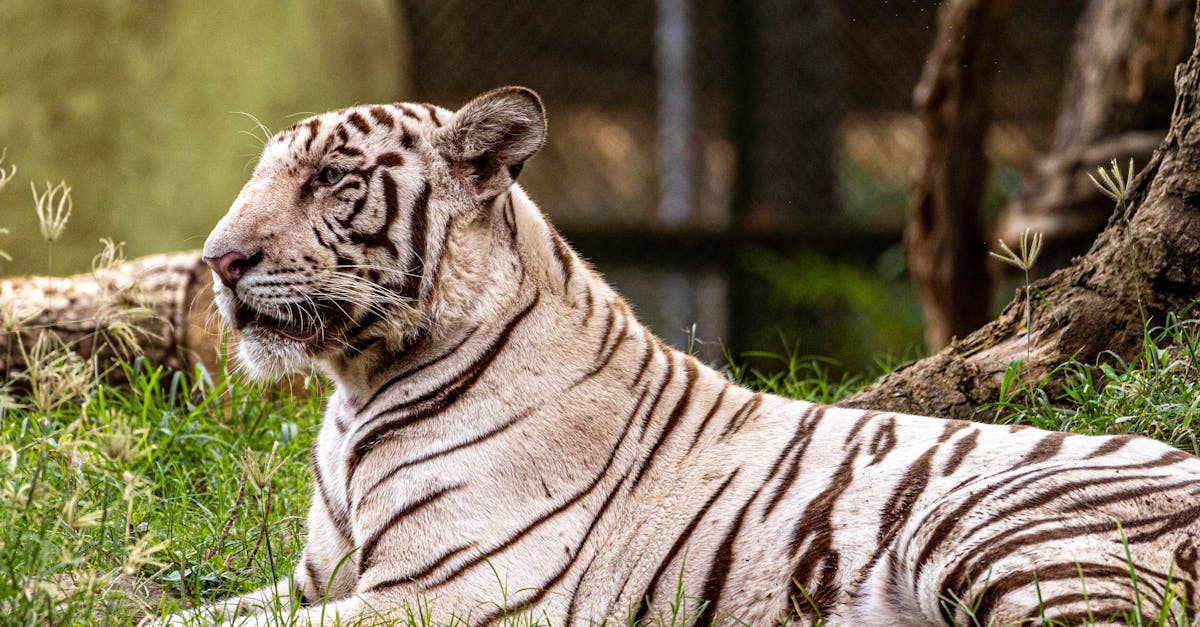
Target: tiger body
[[505, 436]]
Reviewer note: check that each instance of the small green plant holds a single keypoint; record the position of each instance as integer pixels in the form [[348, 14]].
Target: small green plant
[[1117, 185], [53, 207], [1023, 261]]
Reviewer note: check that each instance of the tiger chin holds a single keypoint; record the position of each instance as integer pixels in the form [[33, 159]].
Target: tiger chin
[[505, 437]]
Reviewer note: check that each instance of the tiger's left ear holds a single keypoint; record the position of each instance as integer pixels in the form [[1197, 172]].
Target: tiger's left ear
[[490, 137]]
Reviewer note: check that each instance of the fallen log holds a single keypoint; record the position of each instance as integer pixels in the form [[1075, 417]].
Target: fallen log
[[159, 307]]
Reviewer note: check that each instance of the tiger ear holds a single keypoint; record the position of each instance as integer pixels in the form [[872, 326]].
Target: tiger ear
[[490, 137]]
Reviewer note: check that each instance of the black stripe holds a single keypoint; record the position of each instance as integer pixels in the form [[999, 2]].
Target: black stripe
[[408, 372], [612, 350], [421, 572], [367, 549], [898, 509], [359, 203], [510, 218], [719, 573], [1169, 522], [419, 224], [389, 160], [575, 498], [680, 542], [590, 303], [608, 325], [487, 435], [673, 420], [651, 348], [742, 415], [658, 395], [438, 254], [1132, 493], [436, 401], [1114, 444], [570, 614], [314, 125], [433, 113], [998, 587], [332, 229], [884, 440], [320, 238], [359, 123], [1045, 448], [708, 417], [959, 579], [962, 448], [314, 580], [800, 440], [336, 515], [1038, 497], [381, 116], [381, 238], [862, 421], [1024, 482], [563, 253], [817, 566]]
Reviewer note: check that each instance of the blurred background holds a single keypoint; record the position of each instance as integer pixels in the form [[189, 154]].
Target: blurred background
[[740, 169]]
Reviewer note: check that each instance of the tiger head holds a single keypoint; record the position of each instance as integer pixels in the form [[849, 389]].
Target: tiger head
[[339, 239]]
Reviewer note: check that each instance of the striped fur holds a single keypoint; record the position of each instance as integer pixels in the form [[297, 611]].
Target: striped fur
[[504, 430]]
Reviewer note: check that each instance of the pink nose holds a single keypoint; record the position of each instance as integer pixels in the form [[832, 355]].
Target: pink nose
[[232, 265]]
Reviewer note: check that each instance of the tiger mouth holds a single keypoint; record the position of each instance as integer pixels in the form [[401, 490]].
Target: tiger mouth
[[302, 331]]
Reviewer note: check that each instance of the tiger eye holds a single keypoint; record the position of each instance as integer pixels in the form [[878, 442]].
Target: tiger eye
[[330, 175]]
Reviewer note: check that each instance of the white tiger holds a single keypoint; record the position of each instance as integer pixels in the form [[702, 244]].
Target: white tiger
[[506, 438]]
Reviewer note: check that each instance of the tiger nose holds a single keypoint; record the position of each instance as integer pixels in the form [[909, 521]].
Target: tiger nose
[[232, 265]]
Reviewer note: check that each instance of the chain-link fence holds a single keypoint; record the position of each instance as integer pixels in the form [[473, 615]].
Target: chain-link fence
[[695, 145], [801, 135]]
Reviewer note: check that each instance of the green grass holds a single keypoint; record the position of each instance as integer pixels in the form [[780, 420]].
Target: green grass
[[115, 500], [175, 485], [1157, 395]]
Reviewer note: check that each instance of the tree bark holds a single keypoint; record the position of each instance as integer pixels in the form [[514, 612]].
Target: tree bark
[[944, 237], [1092, 306], [1116, 103], [159, 307]]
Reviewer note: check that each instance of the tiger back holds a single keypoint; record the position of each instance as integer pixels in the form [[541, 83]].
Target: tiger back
[[506, 438]]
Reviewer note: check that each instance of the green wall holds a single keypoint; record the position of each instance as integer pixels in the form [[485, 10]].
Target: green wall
[[135, 104]]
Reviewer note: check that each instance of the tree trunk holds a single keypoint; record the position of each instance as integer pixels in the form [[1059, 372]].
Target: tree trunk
[[158, 306], [1092, 306], [944, 238], [1116, 103]]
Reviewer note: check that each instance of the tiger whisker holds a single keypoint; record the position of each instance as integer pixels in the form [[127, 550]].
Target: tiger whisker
[[262, 127]]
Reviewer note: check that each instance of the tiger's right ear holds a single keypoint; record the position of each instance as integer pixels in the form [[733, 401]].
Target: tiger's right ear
[[490, 137]]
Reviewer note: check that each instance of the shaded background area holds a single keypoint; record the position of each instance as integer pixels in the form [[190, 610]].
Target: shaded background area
[[740, 166]]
